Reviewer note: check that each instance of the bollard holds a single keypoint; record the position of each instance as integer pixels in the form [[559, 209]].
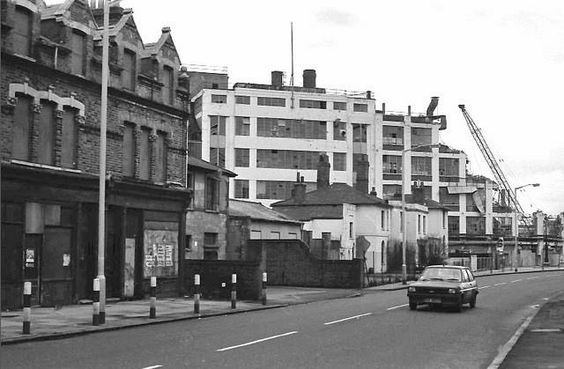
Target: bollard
[[27, 308], [233, 291], [264, 288], [196, 294], [153, 306], [96, 303]]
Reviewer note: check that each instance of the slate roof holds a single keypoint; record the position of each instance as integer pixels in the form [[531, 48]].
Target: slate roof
[[202, 164], [255, 210], [335, 194]]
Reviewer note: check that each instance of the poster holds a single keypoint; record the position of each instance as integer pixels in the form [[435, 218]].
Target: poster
[[161, 248]]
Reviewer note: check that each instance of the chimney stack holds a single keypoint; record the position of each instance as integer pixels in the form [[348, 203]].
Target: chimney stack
[[418, 192], [323, 171], [432, 106], [309, 77], [276, 78], [299, 191]]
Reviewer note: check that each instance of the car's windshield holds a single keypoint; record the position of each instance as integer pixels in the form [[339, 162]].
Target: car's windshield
[[441, 274]]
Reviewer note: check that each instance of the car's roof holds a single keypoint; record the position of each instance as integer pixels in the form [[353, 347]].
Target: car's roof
[[448, 266]]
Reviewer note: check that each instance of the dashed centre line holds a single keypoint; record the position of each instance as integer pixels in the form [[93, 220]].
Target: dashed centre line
[[153, 367], [396, 307], [483, 287], [349, 318], [257, 341], [516, 280], [532, 278], [500, 284]]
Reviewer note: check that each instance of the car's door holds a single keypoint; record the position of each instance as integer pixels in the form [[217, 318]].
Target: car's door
[[473, 283], [469, 285], [465, 285]]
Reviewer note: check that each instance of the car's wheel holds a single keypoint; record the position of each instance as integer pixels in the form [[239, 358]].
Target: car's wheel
[[412, 305], [473, 301]]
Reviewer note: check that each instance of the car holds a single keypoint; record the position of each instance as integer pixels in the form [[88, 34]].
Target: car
[[444, 285]]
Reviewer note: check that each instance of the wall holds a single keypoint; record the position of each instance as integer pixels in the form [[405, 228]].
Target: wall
[[290, 263]]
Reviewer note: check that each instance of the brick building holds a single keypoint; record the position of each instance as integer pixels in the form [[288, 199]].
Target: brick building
[[50, 134]]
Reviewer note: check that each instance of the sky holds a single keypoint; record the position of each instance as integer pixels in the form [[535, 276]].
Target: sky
[[503, 59]]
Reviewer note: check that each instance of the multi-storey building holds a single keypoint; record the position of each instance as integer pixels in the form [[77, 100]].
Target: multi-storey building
[[50, 135]]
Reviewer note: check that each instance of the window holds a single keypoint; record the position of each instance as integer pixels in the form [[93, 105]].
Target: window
[[448, 169], [242, 126], [421, 136], [392, 135], [219, 99], [160, 158], [239, 99], [292, 235], [188, 243], [129, 69], [22, 31], [451, 201], [391, 191], [128, 163], [241, 189], [475, 225], [22, 127], [210, 246], [340, 161], [420, 165], [444, 219], [46, 134], [351, 231], [168, 85], [256, 235], [401, 221], [339, 130], [313, 104], [69, 139], [360, 107], [291, 128], [424, 224], [359, 132], [382, 219], [217, 156], [274, 235], [287, 159], [144, 154], [419, 223], [453, 225], [339, 105], [271, 101], [242, 158], [212, 194], [278, 190], [78, 53], [392, 164], [217, 125]]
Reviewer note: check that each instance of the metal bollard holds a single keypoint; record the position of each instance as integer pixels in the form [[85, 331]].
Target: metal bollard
[[233, 291], [264, 278], [96, 303], [196, 294], [153, 306], [27, 308]]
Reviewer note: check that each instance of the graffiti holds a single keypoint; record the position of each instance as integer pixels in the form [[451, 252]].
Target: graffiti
[[160, 253]]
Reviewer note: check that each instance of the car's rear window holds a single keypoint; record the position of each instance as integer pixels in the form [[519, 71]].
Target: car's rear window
[[443, 274]]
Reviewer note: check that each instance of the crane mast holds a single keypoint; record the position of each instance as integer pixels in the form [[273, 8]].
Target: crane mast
[[490, 159]]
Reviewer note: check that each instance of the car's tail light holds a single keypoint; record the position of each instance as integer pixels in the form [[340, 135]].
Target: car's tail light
[[411, 289]]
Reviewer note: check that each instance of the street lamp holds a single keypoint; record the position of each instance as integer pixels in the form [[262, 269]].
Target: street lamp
[[403, 209], [516, 211]]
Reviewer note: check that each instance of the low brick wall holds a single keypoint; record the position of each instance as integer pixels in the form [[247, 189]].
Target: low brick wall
[[290, 263], [215, 272]]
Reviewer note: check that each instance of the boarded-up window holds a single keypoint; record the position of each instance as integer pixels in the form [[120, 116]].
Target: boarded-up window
[[129, 69], [69, 139], [22, 31], [45, 154], [128, 164], [168, 85], [144, 154], [21, 128], [212, 194], [78, 53], [160, 158]]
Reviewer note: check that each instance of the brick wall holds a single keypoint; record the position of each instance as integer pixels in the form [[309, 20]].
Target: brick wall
[[290, 263], [215, 272]]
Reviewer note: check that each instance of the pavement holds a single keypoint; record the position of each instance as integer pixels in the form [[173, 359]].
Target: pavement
[[540, 343]]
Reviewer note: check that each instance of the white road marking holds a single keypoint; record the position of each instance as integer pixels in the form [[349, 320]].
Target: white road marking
[[517, 280], [257, 341], [481, 288], [532, 278], [153, 367], [546, 330], [500, 284], [349, 318], [504, 350], [396, 307]]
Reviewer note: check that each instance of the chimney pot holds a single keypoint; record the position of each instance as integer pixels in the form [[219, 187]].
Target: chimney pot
[[309, 77]]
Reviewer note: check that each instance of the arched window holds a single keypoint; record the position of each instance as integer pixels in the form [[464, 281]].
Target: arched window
[[22, 126]]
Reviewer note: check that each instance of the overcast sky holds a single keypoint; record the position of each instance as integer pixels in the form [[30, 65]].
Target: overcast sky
[[503, 59]]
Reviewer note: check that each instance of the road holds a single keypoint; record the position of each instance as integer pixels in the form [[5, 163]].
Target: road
[[375, 330]]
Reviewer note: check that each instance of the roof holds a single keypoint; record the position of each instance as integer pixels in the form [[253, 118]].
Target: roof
[[207, 166], [335, 194], [257, 211], [430, 204]]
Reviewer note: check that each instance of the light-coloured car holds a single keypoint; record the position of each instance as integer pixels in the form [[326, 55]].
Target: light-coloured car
[[444, 285]]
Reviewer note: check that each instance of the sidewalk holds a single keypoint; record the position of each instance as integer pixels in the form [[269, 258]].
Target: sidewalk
[[70, 320]]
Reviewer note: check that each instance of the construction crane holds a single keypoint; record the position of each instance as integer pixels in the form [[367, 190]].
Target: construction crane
[[491, 160]]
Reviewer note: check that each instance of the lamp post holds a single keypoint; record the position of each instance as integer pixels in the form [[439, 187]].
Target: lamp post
[[403, 209], [516, 248]]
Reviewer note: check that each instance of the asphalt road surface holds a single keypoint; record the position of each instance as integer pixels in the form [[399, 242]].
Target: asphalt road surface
[[376, 330]]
